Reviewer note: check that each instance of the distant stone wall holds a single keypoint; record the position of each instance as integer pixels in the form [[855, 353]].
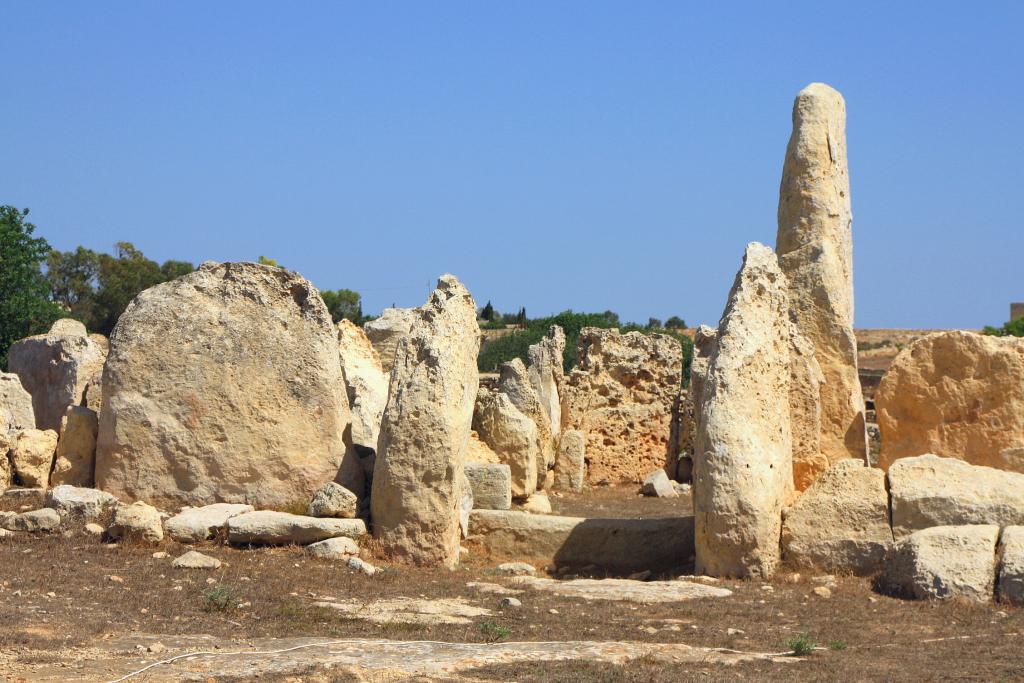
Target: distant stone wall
[[1017, 310]]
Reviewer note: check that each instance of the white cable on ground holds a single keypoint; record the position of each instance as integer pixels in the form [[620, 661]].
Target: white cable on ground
[[410, 642]]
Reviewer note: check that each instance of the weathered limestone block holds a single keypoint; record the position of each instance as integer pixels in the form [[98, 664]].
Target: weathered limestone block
[[76, 448], [617, 545], [571, 466], [32, 452], [340, 548], [265, 527], [6, 473], [193, 525], [512, 436], [514, 382], [55, 368], [547, 375], [386, 331], [1011, 565], [15, 405], [491, 486], [622, 395], [45, 519], [333, 500], [957, 394], [929, 491], [805, 379], [366, 382], [479, 452], [79, 503], [815, 251], [195, 560], [223, 386], [658, 484], [841, 523], [137, 521], [425, 430], [945, 562], [742, 465]]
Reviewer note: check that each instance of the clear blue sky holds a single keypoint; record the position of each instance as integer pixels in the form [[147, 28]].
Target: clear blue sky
[[585, 155]]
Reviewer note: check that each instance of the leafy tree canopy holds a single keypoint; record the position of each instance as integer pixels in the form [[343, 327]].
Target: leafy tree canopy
[[25, 308], [1014, 328], [344, 303]]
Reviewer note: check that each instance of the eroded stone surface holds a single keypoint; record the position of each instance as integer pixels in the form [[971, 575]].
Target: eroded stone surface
[[78, 503], [645, 592], [956, 394], [409, 610], [223, 386], [385, 331], [15, 405], [815, 250], [193, 525], [281, 528], [365, 381], [425, 430], [32, 452], [55, 368], [491, 485], [742, 465], [929, 491], [75, 461], [841, 523], [512, 436], [945, 562], [621, 394], [1011, 565]]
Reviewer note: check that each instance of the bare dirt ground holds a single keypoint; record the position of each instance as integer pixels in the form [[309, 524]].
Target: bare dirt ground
[[618, 502], [75, 608]]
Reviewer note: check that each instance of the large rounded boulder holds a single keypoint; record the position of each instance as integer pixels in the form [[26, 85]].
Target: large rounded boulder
[[223, 386]]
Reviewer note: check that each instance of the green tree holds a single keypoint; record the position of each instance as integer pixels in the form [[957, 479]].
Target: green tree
[[653, 324], [121, 277], [172, 270], [344, 303], [25, 308], [71, 276], [675, 323], [1013, 328], [264, 261], [487, 312]]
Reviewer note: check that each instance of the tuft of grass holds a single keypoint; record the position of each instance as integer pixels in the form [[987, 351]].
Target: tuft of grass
[[801, 644], [836, 645], [493, 631], [220, 597]]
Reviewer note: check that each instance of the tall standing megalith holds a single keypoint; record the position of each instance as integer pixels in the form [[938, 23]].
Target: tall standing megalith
[[742, 463], [815, 250], [418, 476]]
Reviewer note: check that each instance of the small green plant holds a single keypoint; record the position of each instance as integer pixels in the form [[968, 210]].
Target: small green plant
[[219, 597], [494, 632], [801, 644], [836, 645]]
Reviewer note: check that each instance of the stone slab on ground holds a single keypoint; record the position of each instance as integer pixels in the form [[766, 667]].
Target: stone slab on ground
[[619, 545], [408, 610], [266, 527], [396, 660], [193, 525], [645, 592]]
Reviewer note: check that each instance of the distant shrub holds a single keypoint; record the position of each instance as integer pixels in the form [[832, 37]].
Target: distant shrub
[[219, 597], [801, 644], [1014, 328], [493, 632]]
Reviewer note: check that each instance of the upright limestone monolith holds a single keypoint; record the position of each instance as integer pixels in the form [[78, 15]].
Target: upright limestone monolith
[[742, 465], [425, 431], [815, 251]]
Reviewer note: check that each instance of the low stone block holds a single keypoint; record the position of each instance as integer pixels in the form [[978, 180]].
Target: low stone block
[[491, 485], [193, 525], [616, 545], [265, 527], [945, 562]]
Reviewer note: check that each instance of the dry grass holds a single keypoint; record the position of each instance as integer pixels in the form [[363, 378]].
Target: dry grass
[[273, 590]]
